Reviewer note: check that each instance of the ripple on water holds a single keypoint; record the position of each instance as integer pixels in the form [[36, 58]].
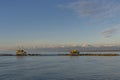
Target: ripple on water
[[60, 68]]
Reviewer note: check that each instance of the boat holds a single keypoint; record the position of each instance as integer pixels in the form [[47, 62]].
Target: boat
[[74, 53], [21, 52]]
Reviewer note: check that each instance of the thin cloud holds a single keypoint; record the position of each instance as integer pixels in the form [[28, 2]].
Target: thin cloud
[[95, 8], [109, 32]]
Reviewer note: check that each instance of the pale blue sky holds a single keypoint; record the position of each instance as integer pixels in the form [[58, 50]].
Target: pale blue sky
[[39, 22]]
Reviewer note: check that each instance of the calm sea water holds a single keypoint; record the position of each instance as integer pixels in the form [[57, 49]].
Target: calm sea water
[[60, 68]]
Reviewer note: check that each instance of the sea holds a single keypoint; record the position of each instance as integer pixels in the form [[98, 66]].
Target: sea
[[60, 67]]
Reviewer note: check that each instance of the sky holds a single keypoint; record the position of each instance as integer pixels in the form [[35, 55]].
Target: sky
[[43, 23]]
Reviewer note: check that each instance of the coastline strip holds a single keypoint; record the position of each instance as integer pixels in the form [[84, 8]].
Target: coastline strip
[[61, 55]]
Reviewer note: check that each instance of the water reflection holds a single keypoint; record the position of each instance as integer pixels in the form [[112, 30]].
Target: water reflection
[[20, 57]]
